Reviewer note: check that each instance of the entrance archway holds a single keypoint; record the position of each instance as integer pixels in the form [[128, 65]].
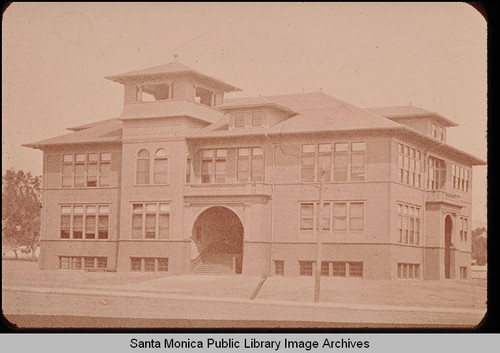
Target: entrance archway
[[218, 239], [448, 228]]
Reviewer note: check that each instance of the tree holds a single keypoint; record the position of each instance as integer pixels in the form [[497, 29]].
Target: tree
[[479, 246], [20, 210]]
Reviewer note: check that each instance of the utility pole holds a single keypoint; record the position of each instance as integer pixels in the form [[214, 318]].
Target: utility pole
[[319, 239]]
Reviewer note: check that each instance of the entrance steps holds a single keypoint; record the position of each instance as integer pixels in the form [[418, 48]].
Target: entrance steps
[[213, 263]]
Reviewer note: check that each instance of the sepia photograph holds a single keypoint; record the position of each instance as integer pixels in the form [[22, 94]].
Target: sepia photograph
[[244, 165]]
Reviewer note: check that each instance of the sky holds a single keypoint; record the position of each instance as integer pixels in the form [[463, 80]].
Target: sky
[[431, 55]]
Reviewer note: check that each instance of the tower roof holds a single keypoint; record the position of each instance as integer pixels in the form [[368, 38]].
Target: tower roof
[[171, 69]]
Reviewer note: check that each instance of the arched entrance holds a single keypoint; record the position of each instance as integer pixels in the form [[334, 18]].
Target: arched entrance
[[448, 228], [218, 242]]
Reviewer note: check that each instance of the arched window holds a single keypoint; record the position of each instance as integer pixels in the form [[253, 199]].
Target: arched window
[[161, 163], [143, 167]]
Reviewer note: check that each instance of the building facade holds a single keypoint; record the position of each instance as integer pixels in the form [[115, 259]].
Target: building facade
[[185, 180]]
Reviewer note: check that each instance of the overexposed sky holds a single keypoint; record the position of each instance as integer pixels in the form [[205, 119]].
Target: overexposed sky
[[55, 57]]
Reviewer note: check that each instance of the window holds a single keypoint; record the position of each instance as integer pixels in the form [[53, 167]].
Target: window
[[463, 272], [348, 162], [342, 269], [163, 264], [437, 131], [250, 164], [279, 267], [347, 216], [204, 96], [143, 167], [160, 167], [86, 170], [408, 224], [436, 176], [409, 165], [150, 220], [84, 222], [460, 176], [307, 163], [357, 216], [306, 268], [148, 264], [239, 119], [408, 271], [257, 118], [325, 268], [464, 228], [355, 269], [339, 269], [79, 263], [135, 264], [188, 170], [213, 166], [306, 216]]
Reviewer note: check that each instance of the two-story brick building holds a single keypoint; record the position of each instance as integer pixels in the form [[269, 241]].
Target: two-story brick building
[[185, 180]]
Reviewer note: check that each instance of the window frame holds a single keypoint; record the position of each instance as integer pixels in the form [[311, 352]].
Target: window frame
[[144, 212], [85, 163], [410, 173], [331, 215], [98, 215], [331, 155], [408, 214]]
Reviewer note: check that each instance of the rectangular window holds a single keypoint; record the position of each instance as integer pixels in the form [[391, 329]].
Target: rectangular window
[[279, 267], [436, 176], [149, 264], [86, 170], [339, 216], [135, 264], [306, 268], [358, 161], [460, 177], [408, 224], [67, 170], [356, 216], [340, 162], [102, 262], [92, 168], [150, 221], [257, 164], [84, 221], [64, 262], [355, 269], [408, 271], [239, 119], [76, 263], [464, 229], [463, 272], [243, 161], [188, 170], [306, 216], [324, 162], [89, 262], [339, 269], [163, 265], [213, 166], [257, 118], [409, 165], [325, 268], [307, 163]]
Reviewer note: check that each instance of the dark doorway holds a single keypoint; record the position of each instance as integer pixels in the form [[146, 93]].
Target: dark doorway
[[448, 228], [218, 236]]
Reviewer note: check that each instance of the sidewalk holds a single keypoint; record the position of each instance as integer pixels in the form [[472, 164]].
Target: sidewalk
[[433, 296]]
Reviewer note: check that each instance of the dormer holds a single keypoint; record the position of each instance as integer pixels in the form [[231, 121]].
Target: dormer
[[427, 122], [172, 82], [254, 113]]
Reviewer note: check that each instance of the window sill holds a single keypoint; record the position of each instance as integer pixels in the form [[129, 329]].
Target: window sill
[[140, 185]]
